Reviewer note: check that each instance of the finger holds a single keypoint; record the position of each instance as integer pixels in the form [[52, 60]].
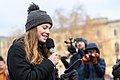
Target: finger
[[56, 54]]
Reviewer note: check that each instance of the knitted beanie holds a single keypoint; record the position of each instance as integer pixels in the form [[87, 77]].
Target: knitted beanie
[[36, 17], [81, 39]]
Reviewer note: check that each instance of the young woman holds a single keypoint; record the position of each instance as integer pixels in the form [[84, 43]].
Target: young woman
[[28, 57]]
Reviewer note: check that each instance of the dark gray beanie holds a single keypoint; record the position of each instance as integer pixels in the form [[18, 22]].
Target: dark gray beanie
[[36, 17]]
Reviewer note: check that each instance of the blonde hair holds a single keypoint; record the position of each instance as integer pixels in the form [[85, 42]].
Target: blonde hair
[[33, 55]]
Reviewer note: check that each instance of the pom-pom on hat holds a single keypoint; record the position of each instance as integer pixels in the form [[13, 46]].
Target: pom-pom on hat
[[36, 17]]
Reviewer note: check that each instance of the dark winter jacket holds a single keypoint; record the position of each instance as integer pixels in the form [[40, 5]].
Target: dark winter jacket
[[80, 70], [116, 70], [20, 69], [94, 71]]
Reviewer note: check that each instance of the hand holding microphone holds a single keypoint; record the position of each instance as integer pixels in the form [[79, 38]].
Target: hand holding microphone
[[54, 56]]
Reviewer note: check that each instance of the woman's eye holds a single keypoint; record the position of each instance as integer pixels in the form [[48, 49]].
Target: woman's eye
[[44, 27]]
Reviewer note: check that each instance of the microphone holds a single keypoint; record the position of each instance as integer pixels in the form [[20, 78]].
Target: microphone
[[50, 45]]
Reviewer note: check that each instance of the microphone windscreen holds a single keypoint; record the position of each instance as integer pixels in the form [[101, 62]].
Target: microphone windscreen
[[50, 43]]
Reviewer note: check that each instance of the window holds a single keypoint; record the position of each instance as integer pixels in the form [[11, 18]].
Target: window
[[116, 47]]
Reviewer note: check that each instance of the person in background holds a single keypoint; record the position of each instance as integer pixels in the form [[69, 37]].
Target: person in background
[[80, 44], [116, 70], [28, 57], [77, 51], [94, 65], [4, 75]]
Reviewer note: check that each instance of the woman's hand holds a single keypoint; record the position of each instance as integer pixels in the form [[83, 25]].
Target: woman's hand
[[54, 58]]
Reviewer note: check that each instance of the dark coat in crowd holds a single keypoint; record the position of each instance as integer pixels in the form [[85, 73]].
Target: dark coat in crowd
[[79, 55], [116, 70], [94, 71]]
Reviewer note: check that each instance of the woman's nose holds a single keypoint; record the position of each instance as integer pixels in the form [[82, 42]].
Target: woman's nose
[[48, 31]]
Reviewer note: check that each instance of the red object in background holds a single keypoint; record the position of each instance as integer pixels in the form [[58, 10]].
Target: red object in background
[[107, 76]]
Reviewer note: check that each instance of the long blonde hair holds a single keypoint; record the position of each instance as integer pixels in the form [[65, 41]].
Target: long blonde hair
[[33, 55]]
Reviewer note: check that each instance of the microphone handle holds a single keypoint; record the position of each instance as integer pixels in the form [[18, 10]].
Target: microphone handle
[[56, 69], [51, 50]]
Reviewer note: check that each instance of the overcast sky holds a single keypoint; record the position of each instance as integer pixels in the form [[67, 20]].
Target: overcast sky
[[13, 13]]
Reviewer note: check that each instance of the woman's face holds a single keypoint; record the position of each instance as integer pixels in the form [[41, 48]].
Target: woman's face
[[43, 32]]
